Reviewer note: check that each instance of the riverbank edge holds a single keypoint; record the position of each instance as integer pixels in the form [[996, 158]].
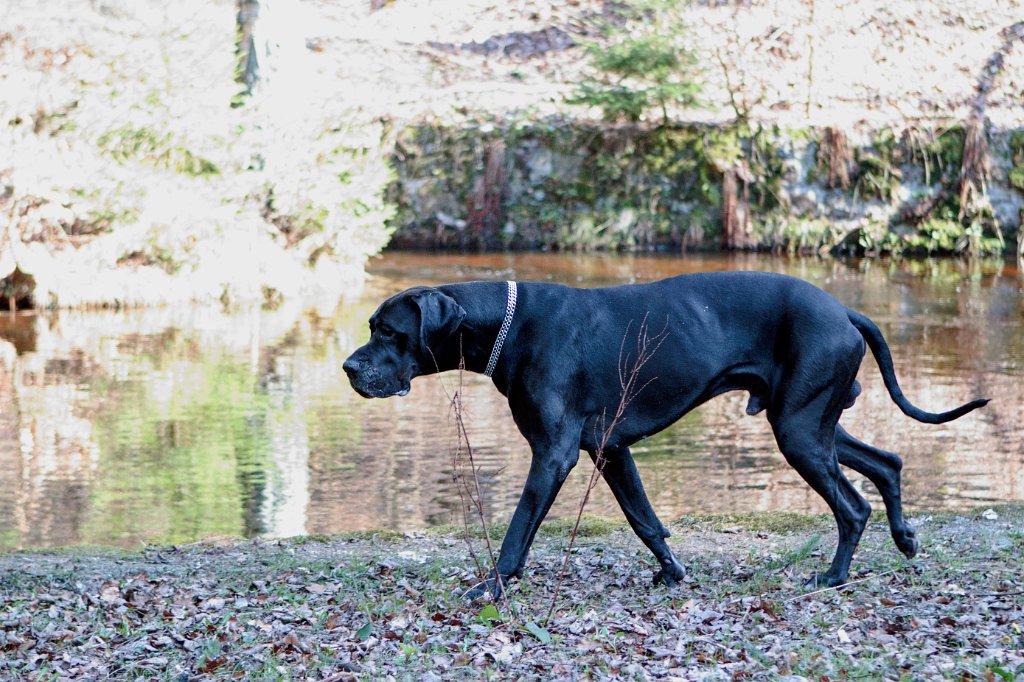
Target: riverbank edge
[[561, 183], [375, 604]]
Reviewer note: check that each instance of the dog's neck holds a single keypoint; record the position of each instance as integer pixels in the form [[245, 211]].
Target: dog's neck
[[474, 339]]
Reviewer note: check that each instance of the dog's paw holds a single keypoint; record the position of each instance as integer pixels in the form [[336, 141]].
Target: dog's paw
[[669, 575], [479, 591], [489, 587], [820, 580], [907, 542]]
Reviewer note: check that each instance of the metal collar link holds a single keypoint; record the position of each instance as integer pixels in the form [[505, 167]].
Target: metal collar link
[[510, 310]]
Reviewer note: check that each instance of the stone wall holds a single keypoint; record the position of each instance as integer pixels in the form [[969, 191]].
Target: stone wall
[[570, 185]]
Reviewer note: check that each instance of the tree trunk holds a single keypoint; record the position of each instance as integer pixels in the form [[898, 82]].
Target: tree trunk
[[737, 229], [484, 216], [835, 157], [247, 46]]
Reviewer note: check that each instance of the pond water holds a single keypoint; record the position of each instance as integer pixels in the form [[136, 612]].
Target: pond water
[[122, 428]]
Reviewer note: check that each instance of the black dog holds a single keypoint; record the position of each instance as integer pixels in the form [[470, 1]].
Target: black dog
[[791, 345]]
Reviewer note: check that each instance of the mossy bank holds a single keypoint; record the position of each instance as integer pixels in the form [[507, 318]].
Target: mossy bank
[[565, 184]]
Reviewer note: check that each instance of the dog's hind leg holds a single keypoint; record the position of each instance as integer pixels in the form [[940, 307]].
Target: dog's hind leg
[[883, 469], [804, 428], [624, 480]]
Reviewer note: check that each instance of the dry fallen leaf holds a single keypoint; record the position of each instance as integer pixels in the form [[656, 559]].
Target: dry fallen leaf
[[110, 592]]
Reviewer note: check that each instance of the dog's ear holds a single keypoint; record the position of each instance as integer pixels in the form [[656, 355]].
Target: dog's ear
[[440, 316]]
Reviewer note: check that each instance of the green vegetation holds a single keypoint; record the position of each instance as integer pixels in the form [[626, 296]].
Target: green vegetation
[[573, 185], [877, 178], [639, 68], [766, 522], [579, 186], [144, 144], [1016, 175], [944, 152], [590, 527]]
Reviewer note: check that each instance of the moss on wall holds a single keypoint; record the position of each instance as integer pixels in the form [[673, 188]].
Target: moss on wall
[[575, 186], [1015, 176], [562, 184]]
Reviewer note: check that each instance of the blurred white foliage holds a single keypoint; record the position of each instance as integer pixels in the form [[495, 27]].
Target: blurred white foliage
[[126, 177]]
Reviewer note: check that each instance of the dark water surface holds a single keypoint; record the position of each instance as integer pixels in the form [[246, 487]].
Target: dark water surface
[[121, 428]]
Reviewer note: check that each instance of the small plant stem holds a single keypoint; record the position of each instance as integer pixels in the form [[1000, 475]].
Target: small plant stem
[[462, 454], [629, 376]]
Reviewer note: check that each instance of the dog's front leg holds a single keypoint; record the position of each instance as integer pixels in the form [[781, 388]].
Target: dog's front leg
[[623, 478], [548, 471]]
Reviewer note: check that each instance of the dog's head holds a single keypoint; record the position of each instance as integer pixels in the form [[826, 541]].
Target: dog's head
[[407, 335]]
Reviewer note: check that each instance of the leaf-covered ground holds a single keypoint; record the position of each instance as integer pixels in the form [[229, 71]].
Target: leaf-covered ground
[[389, 607]]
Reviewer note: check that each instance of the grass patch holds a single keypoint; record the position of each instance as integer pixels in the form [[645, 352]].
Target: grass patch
[[795, 556], [590, 527], [380, 535], [457, 530], [760, 522], [75, 552]]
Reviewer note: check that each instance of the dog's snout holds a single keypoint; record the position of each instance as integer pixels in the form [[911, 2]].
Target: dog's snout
[[351, 366]]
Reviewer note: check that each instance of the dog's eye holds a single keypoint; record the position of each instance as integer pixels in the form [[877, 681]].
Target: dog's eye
[[385, 332]]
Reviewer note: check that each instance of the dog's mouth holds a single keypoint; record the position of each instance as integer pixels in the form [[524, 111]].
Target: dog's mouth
[[362, 393], [377, 391], [381, 393], [368, 381]]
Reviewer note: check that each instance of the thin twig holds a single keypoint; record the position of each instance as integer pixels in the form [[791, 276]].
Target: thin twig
[[839, 587], [457, 479], [469, 497], [458, 467], [464, 453], [476, 496], [629, 373]]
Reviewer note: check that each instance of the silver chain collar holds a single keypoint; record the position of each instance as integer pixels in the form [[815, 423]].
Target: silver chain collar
[[510, 310]]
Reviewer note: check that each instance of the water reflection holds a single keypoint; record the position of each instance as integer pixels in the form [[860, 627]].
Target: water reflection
[[176, 425]]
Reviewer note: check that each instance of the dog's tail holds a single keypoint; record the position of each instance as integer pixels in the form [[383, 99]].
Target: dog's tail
[[880, 349]]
